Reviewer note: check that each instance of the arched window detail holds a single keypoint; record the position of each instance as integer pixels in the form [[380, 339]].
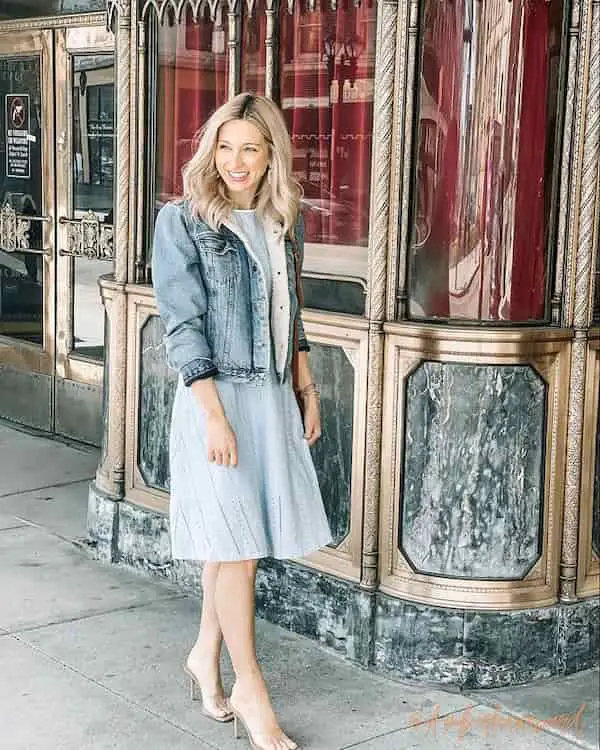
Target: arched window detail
[[486, 143]]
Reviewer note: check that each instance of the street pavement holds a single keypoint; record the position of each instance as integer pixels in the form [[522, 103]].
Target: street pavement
[[91, 654]]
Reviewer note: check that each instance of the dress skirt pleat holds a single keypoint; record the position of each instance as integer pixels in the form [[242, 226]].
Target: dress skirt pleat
[[270, 504]]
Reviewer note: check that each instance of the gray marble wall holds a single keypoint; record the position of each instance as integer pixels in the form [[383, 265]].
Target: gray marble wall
[[473, 487], [332, 454], [596, 507], [157, 390]]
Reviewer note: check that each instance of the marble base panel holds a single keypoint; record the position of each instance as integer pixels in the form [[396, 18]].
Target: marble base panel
[[336, 613], [401, 639], [102, 524]]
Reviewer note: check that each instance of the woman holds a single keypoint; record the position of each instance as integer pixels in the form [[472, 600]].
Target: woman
[[243, 485]]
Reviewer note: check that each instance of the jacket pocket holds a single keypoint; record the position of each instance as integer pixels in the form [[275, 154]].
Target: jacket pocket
[[221, 260]]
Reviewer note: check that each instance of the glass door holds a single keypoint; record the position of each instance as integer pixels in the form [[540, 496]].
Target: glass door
[[27, 228], [57, 136], [85, 127]]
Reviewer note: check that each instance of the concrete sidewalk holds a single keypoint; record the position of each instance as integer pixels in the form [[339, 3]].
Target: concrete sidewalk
[[91, 654]]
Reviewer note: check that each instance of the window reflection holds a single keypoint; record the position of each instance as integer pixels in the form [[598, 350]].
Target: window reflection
[[192, 83], [89, 310], [93, 149], [488, 98], [93, 133], [327, 66]]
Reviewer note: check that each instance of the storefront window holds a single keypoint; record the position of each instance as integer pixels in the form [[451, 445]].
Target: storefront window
[[326, 86], [93, 134], [323, 79], [191, 83], [486, 140], [93, 97]]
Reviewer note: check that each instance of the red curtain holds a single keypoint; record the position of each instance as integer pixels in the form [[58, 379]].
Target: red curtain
[[192, 83], [487, 113], [529, 256], [438, 170], [326, 92]]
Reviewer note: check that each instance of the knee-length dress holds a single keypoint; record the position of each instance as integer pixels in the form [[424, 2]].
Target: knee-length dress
[[270, 504]]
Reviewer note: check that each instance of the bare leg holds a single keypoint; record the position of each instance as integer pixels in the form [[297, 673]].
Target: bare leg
[[204, 658], [235, 603]]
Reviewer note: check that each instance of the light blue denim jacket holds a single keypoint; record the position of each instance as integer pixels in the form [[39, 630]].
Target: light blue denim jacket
[[212, 299]]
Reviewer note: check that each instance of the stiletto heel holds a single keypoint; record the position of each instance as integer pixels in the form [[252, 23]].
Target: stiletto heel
[[196, 695], [237, 719]]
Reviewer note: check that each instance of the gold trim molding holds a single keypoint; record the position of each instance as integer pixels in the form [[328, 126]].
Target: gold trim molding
[[52, 22], [547, 352], [345, 560], [585, 182], [588, 572]]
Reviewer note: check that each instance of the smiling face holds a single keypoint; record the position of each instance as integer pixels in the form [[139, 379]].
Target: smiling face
[[241, 159]]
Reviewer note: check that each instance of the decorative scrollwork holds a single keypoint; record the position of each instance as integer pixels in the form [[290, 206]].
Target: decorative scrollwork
[[114, 8], [14, 230], [174, 11], [89, 238]]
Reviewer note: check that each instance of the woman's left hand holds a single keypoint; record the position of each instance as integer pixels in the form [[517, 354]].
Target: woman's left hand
[[312, 419]]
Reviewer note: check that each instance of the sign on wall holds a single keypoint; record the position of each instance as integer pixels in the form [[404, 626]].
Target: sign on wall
[[18, 154]]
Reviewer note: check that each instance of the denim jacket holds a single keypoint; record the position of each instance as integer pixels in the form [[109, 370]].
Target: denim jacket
[[212, 298]]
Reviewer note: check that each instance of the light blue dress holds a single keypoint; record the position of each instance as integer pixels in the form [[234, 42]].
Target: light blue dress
[[269, 505]]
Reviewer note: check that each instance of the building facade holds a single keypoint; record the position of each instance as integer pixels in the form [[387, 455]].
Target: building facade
[[449, 153]]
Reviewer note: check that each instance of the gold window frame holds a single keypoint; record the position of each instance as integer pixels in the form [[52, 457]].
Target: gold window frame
[[548, 352], [588, 571]]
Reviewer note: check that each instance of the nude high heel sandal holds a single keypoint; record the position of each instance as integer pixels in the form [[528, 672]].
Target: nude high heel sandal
[[196, 695], [237, 717]]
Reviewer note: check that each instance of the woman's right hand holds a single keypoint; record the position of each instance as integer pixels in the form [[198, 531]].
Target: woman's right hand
[[220, 438], [221, 441]]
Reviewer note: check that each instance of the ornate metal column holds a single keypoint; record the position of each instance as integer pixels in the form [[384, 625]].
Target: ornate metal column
[[271, 63], [110, 474], [387, 28], [582, 200], [234, 22], [401, 175]]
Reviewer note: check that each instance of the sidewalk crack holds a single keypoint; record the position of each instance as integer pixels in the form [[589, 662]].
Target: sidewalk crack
[[117, 694], [28, 491]]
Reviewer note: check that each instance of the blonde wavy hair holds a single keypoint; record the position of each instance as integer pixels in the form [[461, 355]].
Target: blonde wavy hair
[[278, 194]]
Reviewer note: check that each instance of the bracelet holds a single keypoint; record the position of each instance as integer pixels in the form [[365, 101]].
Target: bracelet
[[309, 389]]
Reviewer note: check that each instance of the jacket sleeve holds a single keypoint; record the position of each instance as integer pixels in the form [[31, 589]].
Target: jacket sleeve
[[303, 345], [181, 296]]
